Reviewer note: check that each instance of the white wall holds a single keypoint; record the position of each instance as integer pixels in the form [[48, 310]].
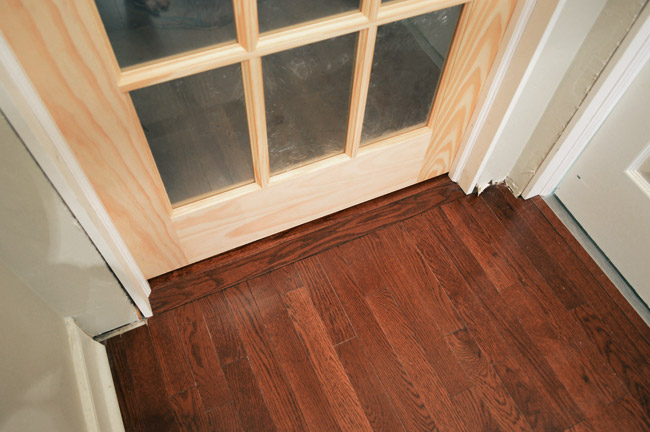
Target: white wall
[[41, 241], [39, 388]]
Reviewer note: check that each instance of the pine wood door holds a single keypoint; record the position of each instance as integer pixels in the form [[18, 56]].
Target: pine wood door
[[66, 51]]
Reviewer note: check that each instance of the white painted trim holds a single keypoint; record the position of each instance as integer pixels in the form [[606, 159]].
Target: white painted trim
[[625, 65], [94, 381], [635, 175], [469, 147], [479, 143], [30, 118]]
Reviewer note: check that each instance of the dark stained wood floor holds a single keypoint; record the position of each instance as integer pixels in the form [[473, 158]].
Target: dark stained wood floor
[[481, 313]]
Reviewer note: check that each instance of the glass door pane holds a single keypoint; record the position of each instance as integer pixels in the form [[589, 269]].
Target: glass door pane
[[275, 14], [143, 30], [307, 97], [198, 133], [406, 68]]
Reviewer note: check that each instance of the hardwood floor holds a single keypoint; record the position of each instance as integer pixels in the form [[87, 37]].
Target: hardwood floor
[[424, 310]]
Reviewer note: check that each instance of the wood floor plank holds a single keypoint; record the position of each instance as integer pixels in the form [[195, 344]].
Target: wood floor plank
[[171, 354], [414, 290], [277, 392], [544, 301], [606, 284], [575, 374], [375, 402], [123, 384], [413, 268], [149, 387], [311, 330], [537, 250], [505, 318], [291, 353], [253, 411], [399, 386], [225, 419], [223, 330], [583, 277], [488, 387], [204, 362], [540, 407], [475, 316], [230, 268], [634, 373], [575, 271], [623, 415], [587, 387], [402, 314], [474, 411], [478, 240], [189, 412], [326, 301], [413, 358]]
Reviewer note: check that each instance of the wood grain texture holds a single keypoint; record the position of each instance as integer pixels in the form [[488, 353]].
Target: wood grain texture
[[399, 386], [68, 58], [221, 226], [189, 411], [504, 318], [291, 352], [370, 258], [255, 113], [325, 301], [475, 315], [246, 23], [336, 385], [624, 414], [278, 395], [370, 391], [412, 356], [155, 412], [202, 357], [551, 322], [480, 30], [72, 68], [223, 331], [252, 408], [124, 385], [360, 82], [487, 384], [171, 354], [225, 419], [520, 358], [217, 273], [534, 249], [606, 284]]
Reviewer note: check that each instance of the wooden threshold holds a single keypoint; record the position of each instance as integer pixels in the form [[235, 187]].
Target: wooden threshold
[[213, 274]]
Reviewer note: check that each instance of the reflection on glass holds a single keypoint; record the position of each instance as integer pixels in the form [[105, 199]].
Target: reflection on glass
[[406, 68], [307, 96], [198, 133], [143, 30], [275, 14]]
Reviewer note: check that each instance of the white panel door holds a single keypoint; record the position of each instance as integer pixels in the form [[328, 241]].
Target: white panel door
[[608, 188]]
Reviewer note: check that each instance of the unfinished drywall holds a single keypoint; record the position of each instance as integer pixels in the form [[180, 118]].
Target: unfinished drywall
[[41, 242], [608, 31], [39, 388], [574, 23]]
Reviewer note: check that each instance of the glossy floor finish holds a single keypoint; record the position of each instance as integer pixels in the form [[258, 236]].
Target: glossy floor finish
[[481, 313]]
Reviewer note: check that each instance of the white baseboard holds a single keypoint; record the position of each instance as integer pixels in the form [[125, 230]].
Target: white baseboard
[[95, 382]]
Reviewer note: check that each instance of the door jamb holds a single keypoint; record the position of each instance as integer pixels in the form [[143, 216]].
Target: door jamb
[[30, 118], [622, 69], [529, 29]]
